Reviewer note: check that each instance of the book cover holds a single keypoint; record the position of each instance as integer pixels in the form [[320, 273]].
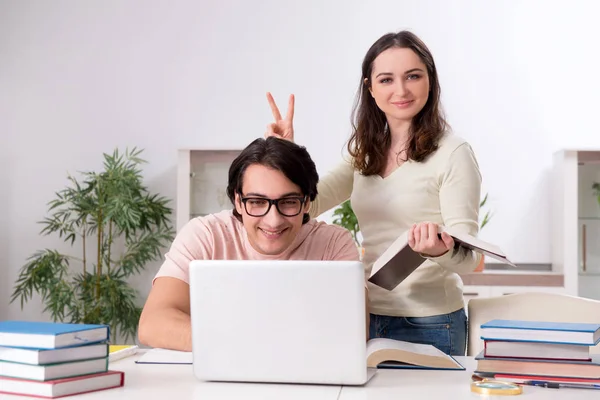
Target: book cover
[[399, 260], [395, 264], [53, 356], [50, 335], [541, 325], [53, 371], [541, 350], [472, 243], [541, 331], [62, 387], [519, 366], [543, 378]]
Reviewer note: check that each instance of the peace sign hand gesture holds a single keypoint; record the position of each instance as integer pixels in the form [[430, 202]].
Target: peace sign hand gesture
[[282, 128]]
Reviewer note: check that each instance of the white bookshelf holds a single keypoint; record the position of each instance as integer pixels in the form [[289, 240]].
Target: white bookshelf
[[202, 176], [576, 221]]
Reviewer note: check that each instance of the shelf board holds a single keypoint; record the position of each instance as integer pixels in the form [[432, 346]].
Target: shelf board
[[589, 273]]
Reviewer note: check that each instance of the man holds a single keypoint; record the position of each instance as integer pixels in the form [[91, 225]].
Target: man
[[271, 185]]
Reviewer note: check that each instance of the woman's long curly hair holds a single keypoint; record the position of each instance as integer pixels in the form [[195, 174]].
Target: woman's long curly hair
[[371, 139]]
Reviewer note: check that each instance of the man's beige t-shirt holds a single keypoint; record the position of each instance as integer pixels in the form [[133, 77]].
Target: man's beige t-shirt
[[221, 236]]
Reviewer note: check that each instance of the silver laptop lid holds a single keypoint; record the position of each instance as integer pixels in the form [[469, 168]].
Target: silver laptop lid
[[279, 321]]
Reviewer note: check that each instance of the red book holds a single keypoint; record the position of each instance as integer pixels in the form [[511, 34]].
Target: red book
[[62, 387], [558, 379]]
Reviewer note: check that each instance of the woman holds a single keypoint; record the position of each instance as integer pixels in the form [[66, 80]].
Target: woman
[[407, 172]]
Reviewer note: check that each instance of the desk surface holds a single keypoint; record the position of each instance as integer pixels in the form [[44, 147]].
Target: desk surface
[[177, 382], [424, 384]]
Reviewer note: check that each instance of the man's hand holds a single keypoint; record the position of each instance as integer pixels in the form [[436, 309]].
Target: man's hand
[[423, 238], [282, 128]]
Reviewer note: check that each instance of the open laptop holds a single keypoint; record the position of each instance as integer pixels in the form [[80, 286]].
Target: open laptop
[[279, 321]]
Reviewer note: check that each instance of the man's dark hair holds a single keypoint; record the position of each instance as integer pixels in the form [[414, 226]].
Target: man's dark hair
[[281, 155]]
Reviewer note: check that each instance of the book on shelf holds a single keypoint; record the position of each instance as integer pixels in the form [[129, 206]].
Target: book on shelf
[[390, 353], [541, 331], [53, 356], [519, 366], [541, 350], [399, 260], [56, 388], [50, 335], [53, 371]]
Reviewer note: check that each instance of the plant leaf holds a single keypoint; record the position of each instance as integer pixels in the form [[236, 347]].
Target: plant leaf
[[135, 228]]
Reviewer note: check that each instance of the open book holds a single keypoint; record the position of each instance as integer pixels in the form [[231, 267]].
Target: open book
[[399, 260], [390, 353]]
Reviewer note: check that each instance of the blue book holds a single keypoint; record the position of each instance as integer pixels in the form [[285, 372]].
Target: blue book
[[50, 335], [50, 372], [53, 356], [540, 331]]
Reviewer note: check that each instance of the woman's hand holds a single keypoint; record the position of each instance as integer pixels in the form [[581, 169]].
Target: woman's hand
[[423, 238], [282, 128]]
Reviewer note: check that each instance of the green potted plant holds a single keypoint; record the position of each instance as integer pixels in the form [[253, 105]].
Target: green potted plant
[[487, 216], [115, 227], [485, 220], [344, 216]]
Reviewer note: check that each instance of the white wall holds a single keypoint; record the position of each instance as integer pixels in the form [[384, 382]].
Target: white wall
[[519, 80], [589, 210]]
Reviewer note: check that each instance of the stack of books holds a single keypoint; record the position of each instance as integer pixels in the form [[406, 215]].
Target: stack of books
[[533, 351], [51, 360]]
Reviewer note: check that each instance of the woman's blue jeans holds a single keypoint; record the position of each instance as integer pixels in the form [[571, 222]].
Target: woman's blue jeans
[[447, 332]]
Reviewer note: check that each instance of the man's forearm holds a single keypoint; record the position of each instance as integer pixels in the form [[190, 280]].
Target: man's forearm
[[167, 329]]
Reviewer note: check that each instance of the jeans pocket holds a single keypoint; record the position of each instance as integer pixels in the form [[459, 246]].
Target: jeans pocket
[[431, 322]]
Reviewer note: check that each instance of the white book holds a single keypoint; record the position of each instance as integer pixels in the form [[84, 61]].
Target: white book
[[542, 350], [62, 387], [50, 335], [390, 353], [53, 356], [53, 371]]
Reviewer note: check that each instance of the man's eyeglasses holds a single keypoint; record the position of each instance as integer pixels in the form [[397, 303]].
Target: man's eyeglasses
[[287, 206]]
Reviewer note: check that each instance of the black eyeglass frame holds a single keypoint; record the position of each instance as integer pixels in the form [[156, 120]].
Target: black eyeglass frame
[[271, 203]]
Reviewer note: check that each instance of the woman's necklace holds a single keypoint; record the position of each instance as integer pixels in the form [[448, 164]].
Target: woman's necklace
[[399, 159]]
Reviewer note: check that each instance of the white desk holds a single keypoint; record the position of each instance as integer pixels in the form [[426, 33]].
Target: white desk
[[423, 384], [177, 382]]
